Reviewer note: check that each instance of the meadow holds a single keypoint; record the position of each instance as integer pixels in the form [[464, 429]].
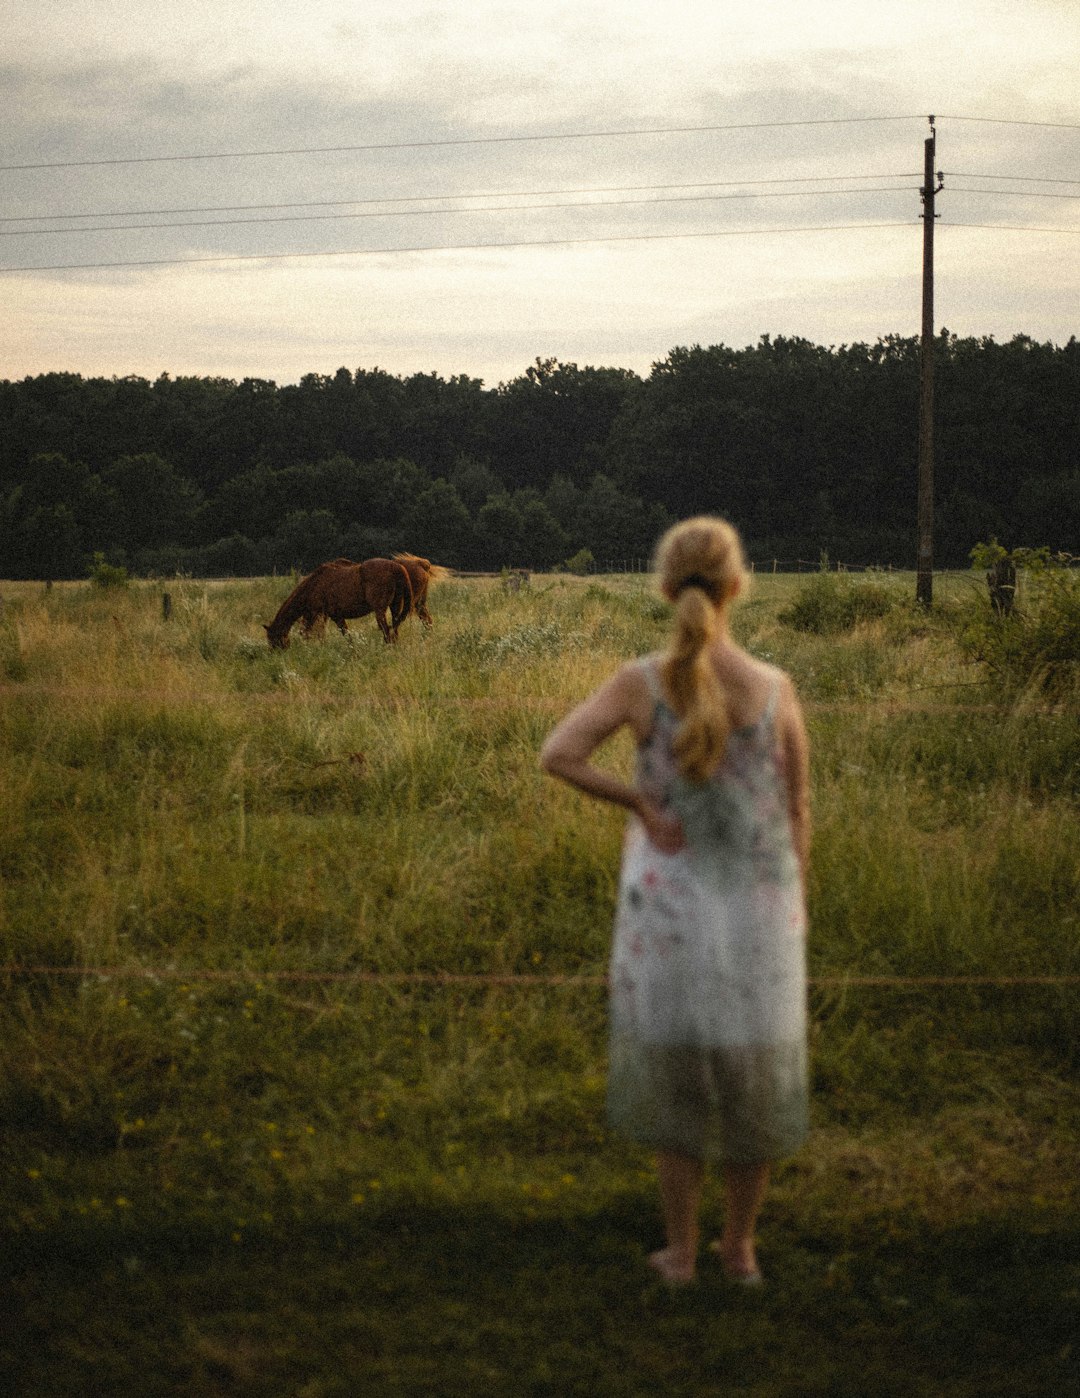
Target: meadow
[[302, 1038]]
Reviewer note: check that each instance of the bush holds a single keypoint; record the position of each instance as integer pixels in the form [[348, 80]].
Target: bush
[[103, 574], [1036, 646], [831, 602], [581, 562]]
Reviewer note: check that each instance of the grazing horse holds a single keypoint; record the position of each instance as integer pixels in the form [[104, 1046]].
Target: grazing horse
[[422, 572], [343, 589]]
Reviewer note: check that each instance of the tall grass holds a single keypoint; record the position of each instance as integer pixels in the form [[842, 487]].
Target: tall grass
[[276, 1185]]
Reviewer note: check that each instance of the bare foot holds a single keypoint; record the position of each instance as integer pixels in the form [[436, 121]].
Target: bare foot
[[738, 1261], [672, 1266]]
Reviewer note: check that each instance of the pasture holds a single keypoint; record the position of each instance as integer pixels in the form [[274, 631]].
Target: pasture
[[303, 1092]]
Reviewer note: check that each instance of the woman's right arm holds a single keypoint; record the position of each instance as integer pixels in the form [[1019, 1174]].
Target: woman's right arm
[[623, 701]]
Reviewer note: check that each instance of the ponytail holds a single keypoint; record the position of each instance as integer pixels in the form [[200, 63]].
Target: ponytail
[[693, 688], [701, 568]]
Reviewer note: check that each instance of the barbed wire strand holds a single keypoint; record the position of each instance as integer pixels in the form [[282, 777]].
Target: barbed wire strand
[[482, 978]]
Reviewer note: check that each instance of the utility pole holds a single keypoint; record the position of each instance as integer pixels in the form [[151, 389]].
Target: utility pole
[[924, 585]]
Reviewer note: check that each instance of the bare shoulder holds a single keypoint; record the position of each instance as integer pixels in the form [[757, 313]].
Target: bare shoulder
[[790, 723], [787, 697], [634, 690]]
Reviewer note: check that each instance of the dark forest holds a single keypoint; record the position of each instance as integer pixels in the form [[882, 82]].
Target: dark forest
[[806, 448]]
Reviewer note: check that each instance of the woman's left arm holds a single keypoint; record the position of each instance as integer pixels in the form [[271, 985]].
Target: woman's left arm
[[624, 700], [795, 763]]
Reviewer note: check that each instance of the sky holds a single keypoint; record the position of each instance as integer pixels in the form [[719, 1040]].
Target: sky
[[657, 172]]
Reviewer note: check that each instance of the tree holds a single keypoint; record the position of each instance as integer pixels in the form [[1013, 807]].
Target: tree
[[306, 538], [474, 481], [53, 543], [544, 541], [436, 525], [499, 528], [555, 418], [55, 518], [149, 503]]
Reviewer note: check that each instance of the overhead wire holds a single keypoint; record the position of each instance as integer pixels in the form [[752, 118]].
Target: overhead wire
[[1025, 179], [1010, 121], [433, 143], [484, 194], [430, 213], [362, 211], [1009, 193], [524, 243], [454, 247], [1008, 227], [437, 142]]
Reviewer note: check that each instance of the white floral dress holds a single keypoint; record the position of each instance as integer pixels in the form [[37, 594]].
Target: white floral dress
[[708, 974]]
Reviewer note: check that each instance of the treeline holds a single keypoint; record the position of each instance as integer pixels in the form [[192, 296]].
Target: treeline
[[805, 447]]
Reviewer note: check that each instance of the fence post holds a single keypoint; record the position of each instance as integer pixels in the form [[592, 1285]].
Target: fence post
[[166, 606]]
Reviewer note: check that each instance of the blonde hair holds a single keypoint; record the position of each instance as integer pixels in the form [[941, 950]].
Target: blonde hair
[[700, 567]]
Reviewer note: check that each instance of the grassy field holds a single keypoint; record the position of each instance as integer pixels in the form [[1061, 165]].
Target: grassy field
[[236, 1161]]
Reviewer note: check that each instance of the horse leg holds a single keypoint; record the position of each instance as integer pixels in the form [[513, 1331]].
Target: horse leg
[[380, 617], [339, 621]]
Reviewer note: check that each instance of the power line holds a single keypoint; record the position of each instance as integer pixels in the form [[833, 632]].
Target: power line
[[1012, 121], [1008, 227], [1026, 179], [429, 213], [487, 194], [457, 141], [1009, 193], [453, 247]]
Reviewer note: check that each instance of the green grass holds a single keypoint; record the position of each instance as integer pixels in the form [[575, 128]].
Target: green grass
[[268, 1185]]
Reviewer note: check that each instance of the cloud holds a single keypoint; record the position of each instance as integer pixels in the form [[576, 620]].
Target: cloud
[[145, 78]]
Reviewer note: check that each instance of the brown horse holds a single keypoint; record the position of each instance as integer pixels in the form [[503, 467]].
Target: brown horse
[[341, 589], [422, 572]]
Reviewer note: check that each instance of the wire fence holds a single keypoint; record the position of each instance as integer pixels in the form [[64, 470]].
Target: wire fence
[[761, 565], [518, 980]]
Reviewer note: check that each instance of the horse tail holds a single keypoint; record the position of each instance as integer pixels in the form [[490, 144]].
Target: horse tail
[[401, 603], [433, 570]]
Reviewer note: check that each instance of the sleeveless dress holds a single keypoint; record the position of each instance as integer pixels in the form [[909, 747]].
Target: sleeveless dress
[[708, 974]]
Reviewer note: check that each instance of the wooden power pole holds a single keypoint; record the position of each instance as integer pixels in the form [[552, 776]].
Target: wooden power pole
[[924, 585]]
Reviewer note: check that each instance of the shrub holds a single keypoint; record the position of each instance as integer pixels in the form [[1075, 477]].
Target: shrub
[[1036, 646], [103, 574], [580, 563], [831, 602]]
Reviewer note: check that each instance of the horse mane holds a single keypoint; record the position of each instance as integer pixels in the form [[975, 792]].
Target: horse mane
[[291, 609], [433, 570]]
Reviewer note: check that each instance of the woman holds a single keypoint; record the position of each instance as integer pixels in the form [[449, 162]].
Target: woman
[[708, 988]]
